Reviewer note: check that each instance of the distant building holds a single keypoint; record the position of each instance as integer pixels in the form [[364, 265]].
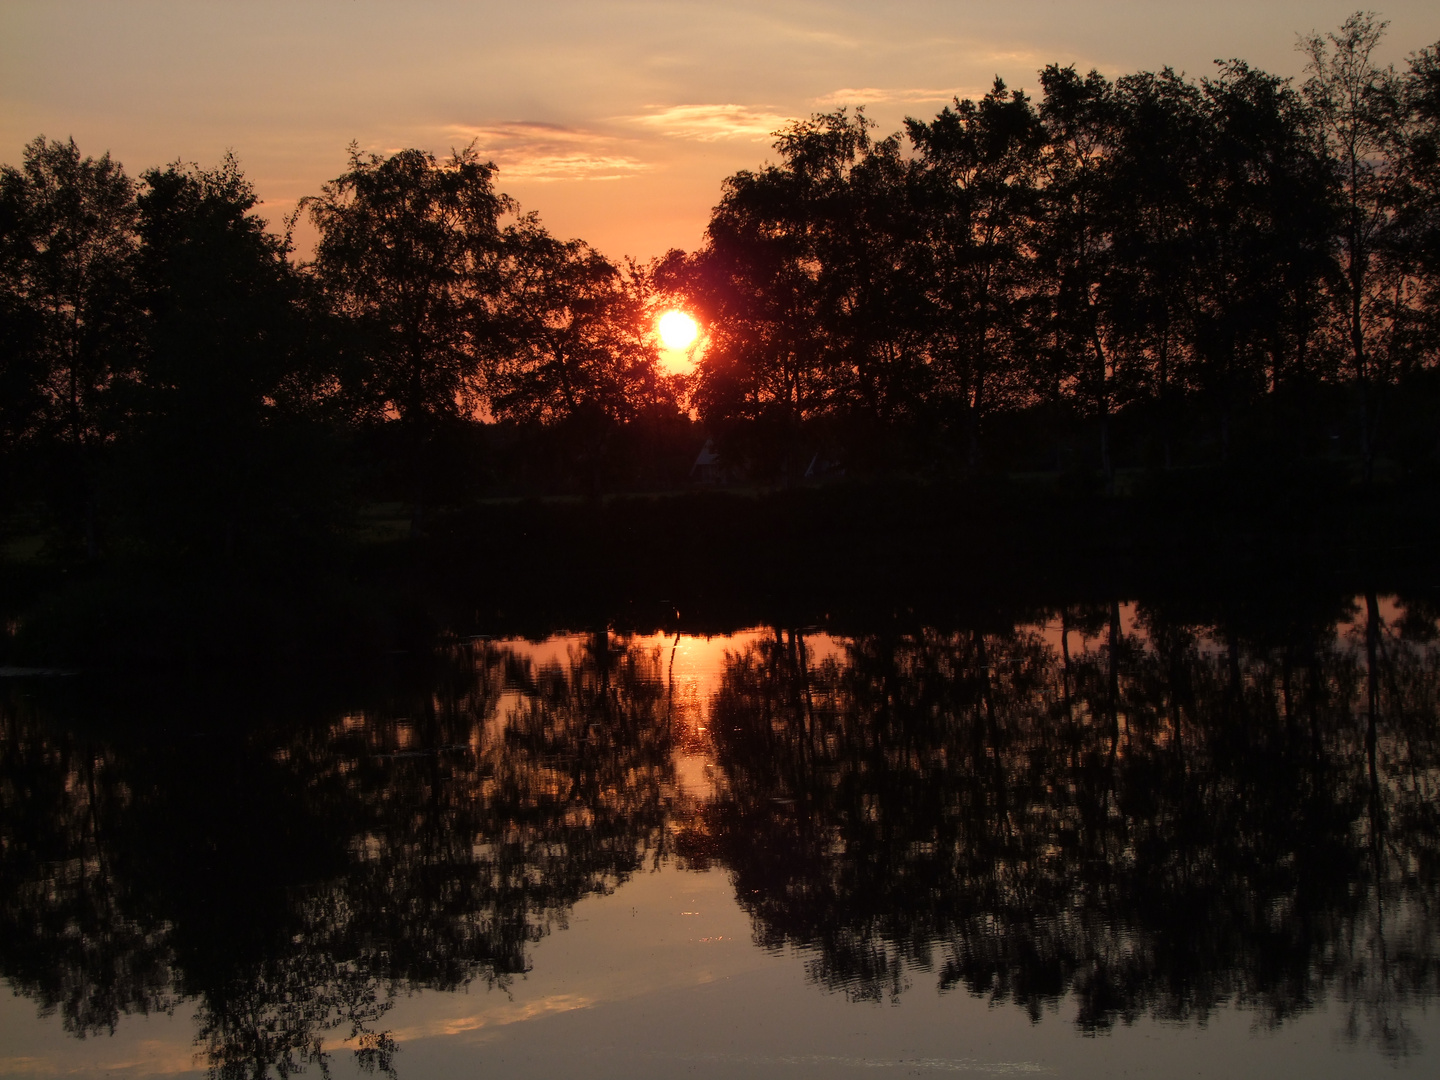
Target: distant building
[[821, 469], [707, 468]]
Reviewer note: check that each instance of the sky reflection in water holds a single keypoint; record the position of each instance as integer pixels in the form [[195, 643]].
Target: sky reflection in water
[[1210, 843]]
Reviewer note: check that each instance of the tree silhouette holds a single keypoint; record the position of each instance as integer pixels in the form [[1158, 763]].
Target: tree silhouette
[[1420, 211], [1079, 117], [979, 165], [225, 378], [577, 341], [69, 252], [408, 250], [1359, 120], [1158, 260], [800, 305], [1258, 258]]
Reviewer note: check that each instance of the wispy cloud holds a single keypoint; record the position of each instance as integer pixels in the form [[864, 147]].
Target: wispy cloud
[[710, 123], [874, 95], [528, 150]]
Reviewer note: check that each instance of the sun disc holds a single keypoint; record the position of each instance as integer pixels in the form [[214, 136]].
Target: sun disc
[[678, 330]]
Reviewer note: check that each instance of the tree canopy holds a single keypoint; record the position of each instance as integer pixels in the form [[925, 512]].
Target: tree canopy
[[1144, 272]]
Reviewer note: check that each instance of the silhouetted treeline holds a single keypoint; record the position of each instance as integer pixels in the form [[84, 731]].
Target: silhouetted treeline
[[1148, 272], [176, 384]]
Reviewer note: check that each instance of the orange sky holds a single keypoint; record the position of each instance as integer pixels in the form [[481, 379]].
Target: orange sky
[[616, 121]]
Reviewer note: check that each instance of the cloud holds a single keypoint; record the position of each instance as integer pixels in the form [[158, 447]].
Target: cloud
[[874, 95], [529, 150], [710, 123]]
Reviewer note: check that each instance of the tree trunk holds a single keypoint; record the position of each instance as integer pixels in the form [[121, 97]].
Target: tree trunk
[[1165, 435], [1358, 267], [1372, 686], [972, 457], [1106, 465]]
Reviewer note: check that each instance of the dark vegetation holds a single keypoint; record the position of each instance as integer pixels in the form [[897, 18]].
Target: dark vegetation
[[1157, 317], [1159, 337]]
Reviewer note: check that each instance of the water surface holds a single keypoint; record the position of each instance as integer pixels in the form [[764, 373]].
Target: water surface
[[1163, 838]]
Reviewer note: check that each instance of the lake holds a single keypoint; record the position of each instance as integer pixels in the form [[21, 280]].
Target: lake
[[1149, 837]]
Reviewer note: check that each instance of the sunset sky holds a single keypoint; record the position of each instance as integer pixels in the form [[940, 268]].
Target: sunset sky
[[616, 121]]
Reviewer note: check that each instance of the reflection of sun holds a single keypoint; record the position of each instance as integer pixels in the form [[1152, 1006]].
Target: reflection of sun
[[678, 330]]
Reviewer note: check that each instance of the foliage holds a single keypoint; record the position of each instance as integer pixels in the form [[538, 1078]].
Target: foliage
[[68, 254], [1153, 270], [1359, 116], [576, 332], [226, 387]]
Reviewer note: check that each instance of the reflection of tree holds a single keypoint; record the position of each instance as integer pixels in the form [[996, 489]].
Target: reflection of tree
[[293, 885], [1160, 823], [73, 933], [1157, 811], [482, 812]]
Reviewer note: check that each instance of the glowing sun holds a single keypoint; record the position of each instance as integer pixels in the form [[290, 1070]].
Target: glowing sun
[[678, 330]]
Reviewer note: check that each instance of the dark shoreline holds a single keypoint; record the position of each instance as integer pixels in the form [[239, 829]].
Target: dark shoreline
[[850, 555]]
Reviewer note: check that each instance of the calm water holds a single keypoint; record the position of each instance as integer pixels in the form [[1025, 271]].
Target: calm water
[[1119, 839]]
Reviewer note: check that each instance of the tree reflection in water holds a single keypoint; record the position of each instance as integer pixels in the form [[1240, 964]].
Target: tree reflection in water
[[293, 884], [1151, 809], [1185, 815]]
